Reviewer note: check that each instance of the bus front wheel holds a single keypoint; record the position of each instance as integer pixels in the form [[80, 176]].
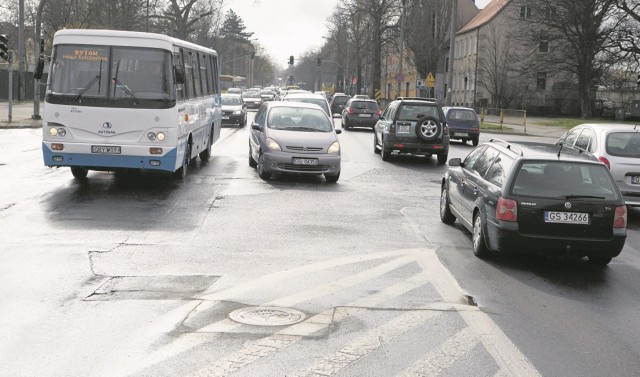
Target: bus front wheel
[[182, 172], [79, 172]]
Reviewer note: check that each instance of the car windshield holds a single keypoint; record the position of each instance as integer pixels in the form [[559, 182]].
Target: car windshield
[[318, 101], [413, 112], [251, 95], [624, 144], [341, 99], [560, 179], [231, 100], [299, 119]]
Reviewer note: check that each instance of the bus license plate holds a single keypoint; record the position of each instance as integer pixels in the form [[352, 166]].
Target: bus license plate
[[635, 179], [305, 161], [566, 217], [103, 149], [404, 129]]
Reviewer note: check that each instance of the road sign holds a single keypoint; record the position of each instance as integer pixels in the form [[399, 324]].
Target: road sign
[[419, 83], [430, 82]]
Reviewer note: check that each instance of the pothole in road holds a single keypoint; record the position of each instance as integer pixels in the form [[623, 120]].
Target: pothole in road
[[267, 316]]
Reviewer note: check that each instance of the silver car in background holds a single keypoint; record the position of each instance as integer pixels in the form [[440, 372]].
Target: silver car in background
[[615, 145], [309, 97], [294, 137]]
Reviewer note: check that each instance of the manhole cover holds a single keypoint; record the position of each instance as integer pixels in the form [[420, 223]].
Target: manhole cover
[[267, 316]]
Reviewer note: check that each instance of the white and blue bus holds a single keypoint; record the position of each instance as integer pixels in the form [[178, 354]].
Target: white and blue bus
[[129, 100]]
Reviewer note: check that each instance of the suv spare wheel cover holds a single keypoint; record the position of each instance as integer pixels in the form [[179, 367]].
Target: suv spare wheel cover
[[427, 128]]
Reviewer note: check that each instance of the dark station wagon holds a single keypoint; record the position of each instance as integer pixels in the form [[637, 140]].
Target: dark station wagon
[[535, 198]]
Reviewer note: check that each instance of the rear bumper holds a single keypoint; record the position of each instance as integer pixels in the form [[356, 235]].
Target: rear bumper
[[393, 143], [462, 133], [503, 236], [233, 119], [354, 120]]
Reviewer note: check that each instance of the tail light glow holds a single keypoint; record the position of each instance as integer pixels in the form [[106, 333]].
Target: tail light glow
[[349, 110], [507, 209], [620, 217], [605, 161]]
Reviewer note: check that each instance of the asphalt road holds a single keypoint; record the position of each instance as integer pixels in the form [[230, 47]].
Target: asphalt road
[[129, 274]]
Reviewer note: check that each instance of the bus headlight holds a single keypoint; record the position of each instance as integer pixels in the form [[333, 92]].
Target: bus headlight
[[334, 148], [62, 132], [151, 136], [161, 136], [57, 131]]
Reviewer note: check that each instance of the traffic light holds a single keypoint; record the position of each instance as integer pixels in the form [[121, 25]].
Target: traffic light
[[318, 62], [291, 60], [4, 47]]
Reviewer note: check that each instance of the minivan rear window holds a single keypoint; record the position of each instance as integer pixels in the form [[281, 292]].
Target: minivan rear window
[[623, 144], [559, 179]]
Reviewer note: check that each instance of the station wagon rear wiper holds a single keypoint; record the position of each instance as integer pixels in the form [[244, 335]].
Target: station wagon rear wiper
[[584, 197]]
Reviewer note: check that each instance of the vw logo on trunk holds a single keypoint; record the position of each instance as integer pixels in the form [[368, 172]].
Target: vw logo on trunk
[[567, 205]]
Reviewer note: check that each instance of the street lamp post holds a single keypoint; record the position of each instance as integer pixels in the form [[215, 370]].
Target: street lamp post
[[399, 77]]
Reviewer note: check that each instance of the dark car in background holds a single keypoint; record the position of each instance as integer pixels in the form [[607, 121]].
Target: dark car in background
[[338, 101], [412, 126], [252, 99], [463, 123], [234, 111], [360, 113], [535, 198]]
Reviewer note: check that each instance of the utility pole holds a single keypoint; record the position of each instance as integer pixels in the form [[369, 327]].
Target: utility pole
[[21, 55], [400, 76], [39, 48], [452, 46]]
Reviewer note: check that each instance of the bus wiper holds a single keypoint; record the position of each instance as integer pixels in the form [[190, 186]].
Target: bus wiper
[[124, 88], [98, 78], [88, 86]]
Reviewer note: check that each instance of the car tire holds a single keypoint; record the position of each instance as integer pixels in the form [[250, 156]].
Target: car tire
[[480, 249], [445, 212], [332, 178], [252, 162], [385, 153], [599, 261], [475, 141], [442, 158], [375, 144], [428, 128], [264, 175], [79, 172], [345, 124]]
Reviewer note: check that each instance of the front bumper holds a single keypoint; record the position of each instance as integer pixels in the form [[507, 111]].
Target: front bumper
[[282, 162]]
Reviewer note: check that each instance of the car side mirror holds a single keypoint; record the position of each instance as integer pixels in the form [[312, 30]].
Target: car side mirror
[[455, 162], [256, 126]]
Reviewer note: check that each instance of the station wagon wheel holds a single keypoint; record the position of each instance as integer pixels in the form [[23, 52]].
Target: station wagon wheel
[[79, 172], [265, 175], [428, 128], [252, 162], [445, 212], [480, 249]]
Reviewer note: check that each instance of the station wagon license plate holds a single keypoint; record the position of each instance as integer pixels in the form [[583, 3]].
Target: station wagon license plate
[[462, 134], [364, 115], [404, 128], [635, 179], [104, 149], [566, 217], [305, 161]]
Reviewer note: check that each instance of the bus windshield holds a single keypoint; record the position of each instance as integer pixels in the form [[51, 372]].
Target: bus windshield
[[111, 76]]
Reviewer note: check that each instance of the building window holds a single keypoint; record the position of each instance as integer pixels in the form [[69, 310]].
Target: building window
[[544, 46], [541, 82], [525, 11]]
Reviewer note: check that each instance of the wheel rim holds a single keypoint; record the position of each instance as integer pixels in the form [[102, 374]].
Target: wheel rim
[[443, 202], [428, 128], [477, 228]]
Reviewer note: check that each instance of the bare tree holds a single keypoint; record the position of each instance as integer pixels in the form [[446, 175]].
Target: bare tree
[[181, 16], [627, 36], [578, 34]]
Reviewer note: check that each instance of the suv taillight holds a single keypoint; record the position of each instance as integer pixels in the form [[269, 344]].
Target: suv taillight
[[507, 209], [620, 218], [446, 129], [605, 161], [379, 112], [349, 110]]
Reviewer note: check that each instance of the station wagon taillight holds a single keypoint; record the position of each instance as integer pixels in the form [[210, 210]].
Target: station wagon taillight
[[620, 218], [507, 209], [605, 161]]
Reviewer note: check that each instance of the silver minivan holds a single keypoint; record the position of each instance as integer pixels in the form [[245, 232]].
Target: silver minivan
[[615, 145]]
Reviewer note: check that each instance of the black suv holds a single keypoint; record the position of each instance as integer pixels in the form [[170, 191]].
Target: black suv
[[338, 101], [535, 198], [412, 125]]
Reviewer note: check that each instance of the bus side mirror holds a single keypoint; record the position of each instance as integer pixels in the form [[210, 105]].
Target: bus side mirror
[[39, 69], [179, 73]]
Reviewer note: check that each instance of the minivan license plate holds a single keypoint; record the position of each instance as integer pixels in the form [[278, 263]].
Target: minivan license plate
[[635, 179], [566, 217], [305, 161], [104, 149]]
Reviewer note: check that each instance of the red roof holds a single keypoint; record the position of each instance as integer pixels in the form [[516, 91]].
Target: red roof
[[485, 15]]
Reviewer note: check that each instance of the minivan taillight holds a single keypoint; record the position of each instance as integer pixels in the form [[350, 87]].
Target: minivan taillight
[[605, 161], [507, 209], [620, 218]]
